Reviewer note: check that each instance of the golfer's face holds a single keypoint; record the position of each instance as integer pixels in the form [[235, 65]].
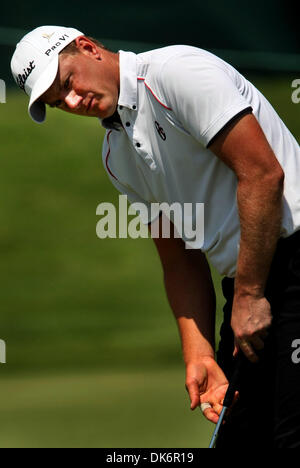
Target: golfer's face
[[85, 85]]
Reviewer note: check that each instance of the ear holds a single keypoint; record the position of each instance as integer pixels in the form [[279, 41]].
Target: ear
[[88, 47]]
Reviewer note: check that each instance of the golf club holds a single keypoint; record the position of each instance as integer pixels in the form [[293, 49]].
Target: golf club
[[229, 397]]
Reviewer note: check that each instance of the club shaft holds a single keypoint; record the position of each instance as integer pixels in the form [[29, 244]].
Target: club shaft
[[216, 431], [229, 397]]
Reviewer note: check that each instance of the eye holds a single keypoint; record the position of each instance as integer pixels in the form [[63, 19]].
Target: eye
[[56, 104], [67, 83]]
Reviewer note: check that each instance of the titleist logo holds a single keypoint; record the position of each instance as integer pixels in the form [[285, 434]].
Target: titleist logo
[[22, 78]]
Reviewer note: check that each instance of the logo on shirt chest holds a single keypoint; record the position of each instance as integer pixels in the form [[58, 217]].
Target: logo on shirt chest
[[161, 131]]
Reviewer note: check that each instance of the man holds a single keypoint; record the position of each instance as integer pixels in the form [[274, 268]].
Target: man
[[184, 126]]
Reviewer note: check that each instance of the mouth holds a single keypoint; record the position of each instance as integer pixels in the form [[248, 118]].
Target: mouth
[[90, 104]]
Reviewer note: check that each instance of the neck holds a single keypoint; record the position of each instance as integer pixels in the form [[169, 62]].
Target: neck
[[113, 122]]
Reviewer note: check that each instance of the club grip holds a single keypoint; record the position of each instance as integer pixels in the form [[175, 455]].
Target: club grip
[[234, 381]]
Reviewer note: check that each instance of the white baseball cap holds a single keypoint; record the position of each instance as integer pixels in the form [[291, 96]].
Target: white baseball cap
[[34, 64]]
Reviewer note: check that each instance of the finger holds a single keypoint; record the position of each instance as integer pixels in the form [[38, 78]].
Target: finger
[[217, 408], [211, 415], [236, 350], [248, 351], [236, 397], [264, 334], [257, 342], [193, 391]]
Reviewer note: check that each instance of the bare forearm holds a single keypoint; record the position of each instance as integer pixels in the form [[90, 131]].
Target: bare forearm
[[260, 209], [192, 298], [244, 148]]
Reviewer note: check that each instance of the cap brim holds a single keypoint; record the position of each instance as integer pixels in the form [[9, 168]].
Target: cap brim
[[36, 108]]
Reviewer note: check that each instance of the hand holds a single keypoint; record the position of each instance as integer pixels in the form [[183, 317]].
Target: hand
[[206, 383], [251, 319]]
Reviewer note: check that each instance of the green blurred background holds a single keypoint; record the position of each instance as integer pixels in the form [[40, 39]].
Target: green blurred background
[[93, 352]]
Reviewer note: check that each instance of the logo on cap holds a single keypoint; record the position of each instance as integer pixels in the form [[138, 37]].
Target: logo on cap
[[22, 78], [58, 44], [47, 36]]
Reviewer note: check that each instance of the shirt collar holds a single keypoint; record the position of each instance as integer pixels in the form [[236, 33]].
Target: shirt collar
[[128, 87], [128, 80]]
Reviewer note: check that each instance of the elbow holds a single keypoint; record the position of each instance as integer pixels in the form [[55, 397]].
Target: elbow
[[281, 177], [277, 180], [268, 179], [272, 183], [265, 184]]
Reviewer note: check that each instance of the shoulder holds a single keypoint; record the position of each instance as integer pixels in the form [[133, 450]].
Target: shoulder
[[164, 59], [159, 65], [171, 67], [159, 60]]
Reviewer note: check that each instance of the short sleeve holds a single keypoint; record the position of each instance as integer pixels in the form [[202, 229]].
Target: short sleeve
[[202, 94]]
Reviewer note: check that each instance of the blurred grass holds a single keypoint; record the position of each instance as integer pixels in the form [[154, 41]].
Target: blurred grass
[[132, 409], [88, 329], [77, 301]]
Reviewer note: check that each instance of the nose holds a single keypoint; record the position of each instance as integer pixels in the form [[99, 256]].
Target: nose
[[73, 100]]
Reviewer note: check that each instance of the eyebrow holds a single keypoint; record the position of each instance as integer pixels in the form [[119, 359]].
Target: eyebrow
[[55, 104], [51, 104]]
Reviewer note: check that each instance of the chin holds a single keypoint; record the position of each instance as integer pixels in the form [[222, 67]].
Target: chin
[[106, 114], [105, 111]]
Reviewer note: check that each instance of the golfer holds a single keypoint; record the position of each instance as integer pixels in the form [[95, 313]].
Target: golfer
[[184, 126]]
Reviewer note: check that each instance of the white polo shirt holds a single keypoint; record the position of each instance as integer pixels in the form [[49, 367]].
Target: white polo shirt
[[173, 101]]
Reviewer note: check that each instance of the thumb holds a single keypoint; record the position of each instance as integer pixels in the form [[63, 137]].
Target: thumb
[[236, 349], [194, 394]]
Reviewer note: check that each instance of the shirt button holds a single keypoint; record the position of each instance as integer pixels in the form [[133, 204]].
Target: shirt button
[[127, 124], [138, 145], [133, 107]]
